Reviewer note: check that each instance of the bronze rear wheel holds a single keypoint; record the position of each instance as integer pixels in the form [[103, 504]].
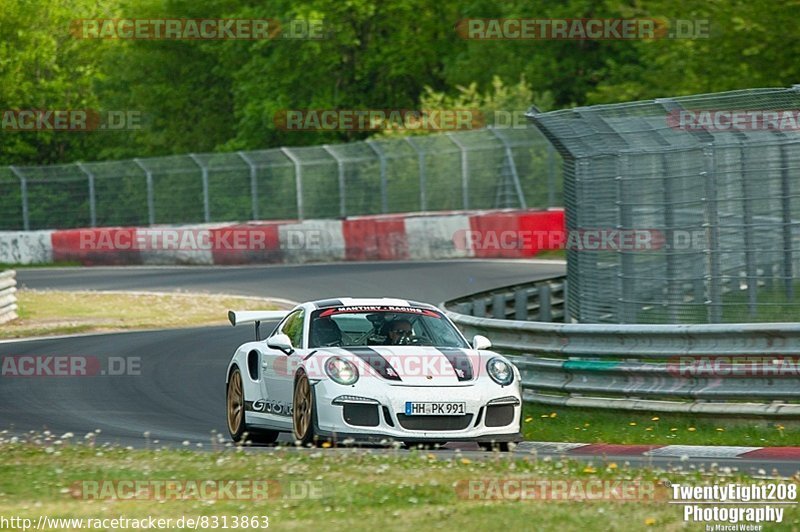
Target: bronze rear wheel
[[235, 402]]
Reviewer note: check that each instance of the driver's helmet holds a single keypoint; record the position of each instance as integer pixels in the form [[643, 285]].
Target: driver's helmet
[[324, 331]]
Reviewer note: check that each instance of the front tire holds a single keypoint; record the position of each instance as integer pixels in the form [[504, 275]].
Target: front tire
[[237, 427], [303, 413], [502, 446]]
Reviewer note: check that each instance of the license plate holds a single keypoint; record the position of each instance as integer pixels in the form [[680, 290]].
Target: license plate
[[435, 409]]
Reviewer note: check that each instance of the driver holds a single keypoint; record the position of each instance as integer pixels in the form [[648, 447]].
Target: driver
[[325, 333], [400, 332]]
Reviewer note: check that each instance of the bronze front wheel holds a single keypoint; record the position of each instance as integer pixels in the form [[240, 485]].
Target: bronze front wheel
[[303, 410]]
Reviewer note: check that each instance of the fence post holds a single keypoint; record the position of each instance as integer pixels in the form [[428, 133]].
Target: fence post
[[499, 306], [627, 289], [513, 166], [714, 289], [204, 177], [786, 214], [464, 169], [521, 304], [298, 180], [253, 183], [384, 183], [673, 285], [342, 187], [545, 302], [749, 238], [23, 192], [92, 200], [551, 175], [423, 192], [151, 210]]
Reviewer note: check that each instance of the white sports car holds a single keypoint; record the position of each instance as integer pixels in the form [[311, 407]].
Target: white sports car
[[370, 370]]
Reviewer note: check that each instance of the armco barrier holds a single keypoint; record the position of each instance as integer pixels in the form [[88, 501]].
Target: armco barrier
[[721, 369], [8, 297], [418, 236]]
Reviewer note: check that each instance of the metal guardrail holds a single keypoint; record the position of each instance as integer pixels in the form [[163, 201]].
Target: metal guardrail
[[724, 369], [536, 301], [8, 296]]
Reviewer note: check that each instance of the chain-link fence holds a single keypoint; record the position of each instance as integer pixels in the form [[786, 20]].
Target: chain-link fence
[[704, 189], [489, 168]]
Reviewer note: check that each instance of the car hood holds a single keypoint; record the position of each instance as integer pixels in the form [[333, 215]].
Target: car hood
[[417, 365]]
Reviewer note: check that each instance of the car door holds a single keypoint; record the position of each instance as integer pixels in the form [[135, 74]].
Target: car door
[[278, 369]]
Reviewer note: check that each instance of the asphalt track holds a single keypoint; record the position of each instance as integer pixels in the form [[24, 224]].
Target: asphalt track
[[178, 394]]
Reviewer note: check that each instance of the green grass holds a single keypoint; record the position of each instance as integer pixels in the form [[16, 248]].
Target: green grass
[[551, 254], [772, 305], [580, 425], [49, 312], [18, 266], [354, 489]]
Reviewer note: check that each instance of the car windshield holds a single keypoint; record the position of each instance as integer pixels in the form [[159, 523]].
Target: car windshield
[[382, 325]]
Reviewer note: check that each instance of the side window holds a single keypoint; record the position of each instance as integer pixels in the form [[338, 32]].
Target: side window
[[293, 328]]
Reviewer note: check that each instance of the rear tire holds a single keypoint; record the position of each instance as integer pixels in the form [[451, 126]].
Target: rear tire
[[238, 429]]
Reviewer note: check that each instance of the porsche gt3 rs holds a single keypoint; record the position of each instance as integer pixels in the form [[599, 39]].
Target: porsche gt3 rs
[[370, 370]]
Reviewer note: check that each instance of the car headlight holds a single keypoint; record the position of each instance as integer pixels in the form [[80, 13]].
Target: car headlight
[[341, 371], [500, 371]]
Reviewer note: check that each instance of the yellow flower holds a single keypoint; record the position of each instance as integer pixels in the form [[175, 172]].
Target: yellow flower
[[431, 456], [545, 415], [585, 424], [648, 429], [720, 429], [656, 418], [589, 469], [780, 427], [553, 414], [326, 444], [691, 429], [650, 521], [632, 423], [673, 429], [466, 461], [612, 465], [528, 419]]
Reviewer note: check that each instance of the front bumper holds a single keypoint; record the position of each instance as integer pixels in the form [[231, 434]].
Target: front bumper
[[493, 413]]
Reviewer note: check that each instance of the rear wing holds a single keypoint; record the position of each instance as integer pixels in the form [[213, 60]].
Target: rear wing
[[237, 317]]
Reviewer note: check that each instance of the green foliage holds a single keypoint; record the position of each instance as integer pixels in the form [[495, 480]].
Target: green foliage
[[200, 96]]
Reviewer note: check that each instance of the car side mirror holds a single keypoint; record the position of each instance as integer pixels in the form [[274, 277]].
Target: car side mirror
[[481, 342], [281, 342]]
